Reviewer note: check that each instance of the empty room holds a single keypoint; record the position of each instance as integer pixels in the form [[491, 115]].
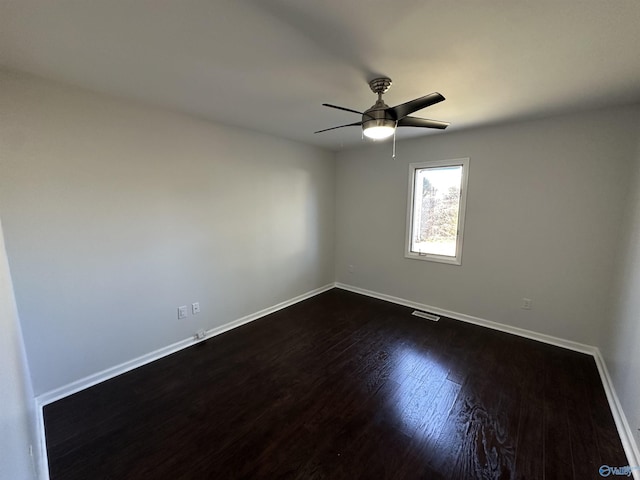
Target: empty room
[[278, 239]]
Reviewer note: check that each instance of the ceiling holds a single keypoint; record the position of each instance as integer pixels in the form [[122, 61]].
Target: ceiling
[[268, 65]]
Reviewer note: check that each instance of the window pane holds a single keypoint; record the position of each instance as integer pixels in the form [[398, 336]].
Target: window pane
[[436, 206]]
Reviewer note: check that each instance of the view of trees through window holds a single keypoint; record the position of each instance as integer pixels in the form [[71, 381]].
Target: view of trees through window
[[436, 207]]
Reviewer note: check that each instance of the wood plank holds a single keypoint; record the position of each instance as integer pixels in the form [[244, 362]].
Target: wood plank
[[558, 458]]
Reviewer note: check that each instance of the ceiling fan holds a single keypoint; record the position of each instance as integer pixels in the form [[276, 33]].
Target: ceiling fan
[[380, 121]]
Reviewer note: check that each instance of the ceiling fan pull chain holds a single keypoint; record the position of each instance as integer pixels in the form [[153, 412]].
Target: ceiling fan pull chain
[[393, 155]]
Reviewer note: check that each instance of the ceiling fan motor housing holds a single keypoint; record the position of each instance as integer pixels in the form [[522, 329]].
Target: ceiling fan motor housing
[[378, 115]]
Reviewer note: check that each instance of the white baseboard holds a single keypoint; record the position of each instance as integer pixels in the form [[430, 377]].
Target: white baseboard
[[521, 332], [624, 430], [94, 379], [40, 450]]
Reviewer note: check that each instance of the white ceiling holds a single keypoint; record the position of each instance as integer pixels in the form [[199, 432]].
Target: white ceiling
[[268, 65]]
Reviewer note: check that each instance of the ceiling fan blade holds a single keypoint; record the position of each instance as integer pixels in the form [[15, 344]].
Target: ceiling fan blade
[[342, 108], [422, 122], [341, 126], [404, 109]]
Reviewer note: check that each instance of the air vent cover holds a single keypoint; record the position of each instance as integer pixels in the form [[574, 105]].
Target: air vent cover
[[428, 316]]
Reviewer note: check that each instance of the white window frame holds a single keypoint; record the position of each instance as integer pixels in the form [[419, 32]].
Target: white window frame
[[457, 260]]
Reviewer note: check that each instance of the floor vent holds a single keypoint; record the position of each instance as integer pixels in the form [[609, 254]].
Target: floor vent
[[428, 316]]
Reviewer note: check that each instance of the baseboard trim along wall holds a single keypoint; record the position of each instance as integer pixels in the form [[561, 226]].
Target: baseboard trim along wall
[[541, 337], [624, 430], [91, 380], [99, 377], [627, 436]]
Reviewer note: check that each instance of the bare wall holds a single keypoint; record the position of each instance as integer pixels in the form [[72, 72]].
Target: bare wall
[[543, 217], [621, 329], [17, 415], [115, 214]]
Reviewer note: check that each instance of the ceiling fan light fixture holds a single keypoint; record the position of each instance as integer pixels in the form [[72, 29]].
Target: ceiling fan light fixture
[[378, 129], [379, 132]]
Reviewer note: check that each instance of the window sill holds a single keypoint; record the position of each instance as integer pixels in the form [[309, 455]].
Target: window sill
[[434, 258]]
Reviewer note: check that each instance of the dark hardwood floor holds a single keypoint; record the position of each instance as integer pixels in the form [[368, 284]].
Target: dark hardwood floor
[[343, 386]]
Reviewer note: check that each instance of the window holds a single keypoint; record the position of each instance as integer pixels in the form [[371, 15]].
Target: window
[[435, 217]]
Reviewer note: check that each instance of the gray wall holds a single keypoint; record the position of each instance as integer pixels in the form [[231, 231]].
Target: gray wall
[[115, 214], [16, 417], [621, 331], [543, 217]]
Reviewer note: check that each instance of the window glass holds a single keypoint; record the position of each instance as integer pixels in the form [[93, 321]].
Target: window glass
[[436, 210]]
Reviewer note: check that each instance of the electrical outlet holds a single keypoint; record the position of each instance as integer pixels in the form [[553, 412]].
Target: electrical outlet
[[351, 268], [200, 334], [182, 312], [526, 304], [195, 308]]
